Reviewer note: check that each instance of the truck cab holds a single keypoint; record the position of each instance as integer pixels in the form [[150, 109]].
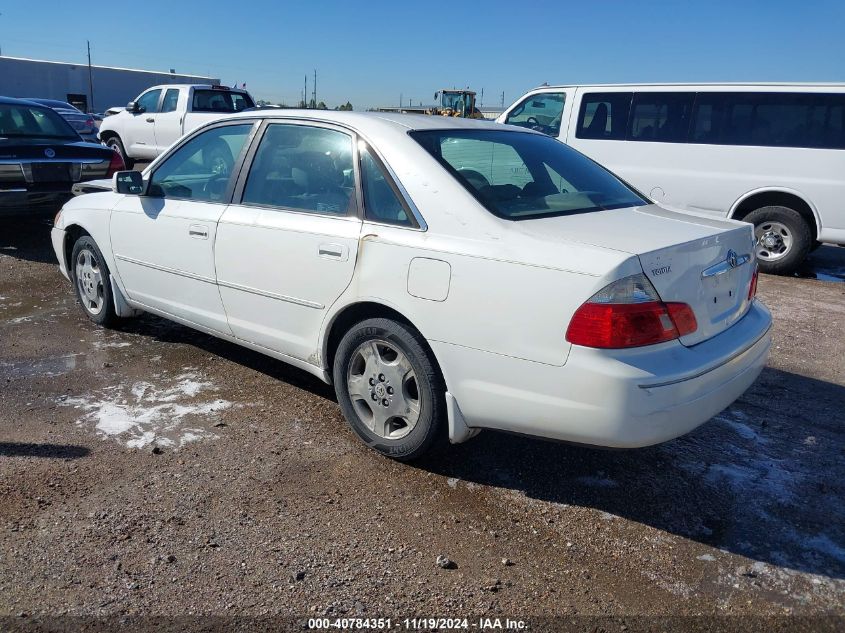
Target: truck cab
[[161, 115]]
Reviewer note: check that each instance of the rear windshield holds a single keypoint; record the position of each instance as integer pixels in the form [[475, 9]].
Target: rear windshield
[[220, 101], [22, 121], [518, 175]]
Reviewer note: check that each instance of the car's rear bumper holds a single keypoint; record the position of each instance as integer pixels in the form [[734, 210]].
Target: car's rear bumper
[[22, 202], [615, 398]]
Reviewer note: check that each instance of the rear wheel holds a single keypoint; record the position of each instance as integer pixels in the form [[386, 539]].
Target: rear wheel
[[90, 275], [783, 239], [389, 388], [116, 144]]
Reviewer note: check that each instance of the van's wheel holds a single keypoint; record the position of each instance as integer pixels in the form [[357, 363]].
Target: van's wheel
[[116, 144], [90, 275], [783, 239], [390, 389]]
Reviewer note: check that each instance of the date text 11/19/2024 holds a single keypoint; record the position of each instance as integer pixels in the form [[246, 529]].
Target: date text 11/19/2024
[[416, 624]]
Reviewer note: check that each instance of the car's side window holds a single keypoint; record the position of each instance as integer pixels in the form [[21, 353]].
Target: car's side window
[[303, 168], [170, 101], [381, 201], [148, 102], [541, 112], [604, 115], [201, 169]]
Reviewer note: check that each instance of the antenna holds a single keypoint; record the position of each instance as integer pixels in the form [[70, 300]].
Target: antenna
[[90, 79]]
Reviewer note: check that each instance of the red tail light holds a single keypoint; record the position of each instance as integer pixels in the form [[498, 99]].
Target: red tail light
[[115, 165], [629, 313], [752, 288]]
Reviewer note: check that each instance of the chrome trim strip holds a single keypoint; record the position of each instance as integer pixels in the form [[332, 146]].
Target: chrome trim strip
[[165, 269], [725, 267], [272, 295], [80, 161], [707, 371]]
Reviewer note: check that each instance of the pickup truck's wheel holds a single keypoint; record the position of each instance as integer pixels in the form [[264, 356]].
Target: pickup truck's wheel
[[90, 276], [389, 389], [116, 144], [783, 239]]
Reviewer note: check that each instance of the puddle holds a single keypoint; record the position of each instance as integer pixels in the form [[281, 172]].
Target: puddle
[[53, 366], [172, 414], [827, 263]]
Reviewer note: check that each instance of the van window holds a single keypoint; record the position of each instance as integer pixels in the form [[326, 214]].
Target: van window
[[769, 119], [661, 117], [540, 112], [604, 115]]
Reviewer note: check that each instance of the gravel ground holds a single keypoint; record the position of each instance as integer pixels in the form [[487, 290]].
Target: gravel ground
[[156, 471]]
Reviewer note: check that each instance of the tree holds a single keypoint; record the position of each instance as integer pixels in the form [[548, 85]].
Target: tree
[[322, 106]]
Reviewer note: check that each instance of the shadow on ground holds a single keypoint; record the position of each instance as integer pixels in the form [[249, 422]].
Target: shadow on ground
[[764, 479], [50, 451]]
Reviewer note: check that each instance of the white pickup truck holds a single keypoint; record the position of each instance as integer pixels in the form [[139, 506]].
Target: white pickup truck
[[163, 114]]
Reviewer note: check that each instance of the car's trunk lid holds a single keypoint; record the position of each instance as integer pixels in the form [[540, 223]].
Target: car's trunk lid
[[704, 262]]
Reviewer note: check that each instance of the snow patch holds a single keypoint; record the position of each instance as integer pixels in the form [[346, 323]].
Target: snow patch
[[148, 414]]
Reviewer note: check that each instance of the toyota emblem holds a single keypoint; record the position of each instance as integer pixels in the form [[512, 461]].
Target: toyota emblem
[[732, 258], [50, 152]]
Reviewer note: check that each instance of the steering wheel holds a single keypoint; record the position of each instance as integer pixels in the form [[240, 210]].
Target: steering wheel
[[536, 125]]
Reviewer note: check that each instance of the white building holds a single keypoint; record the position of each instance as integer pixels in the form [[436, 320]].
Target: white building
[[21, 77]]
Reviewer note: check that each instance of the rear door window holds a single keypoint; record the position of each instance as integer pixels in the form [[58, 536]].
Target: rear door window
[[661, 117], [303, 168], [541, 112], [604, 115], [171, 100]]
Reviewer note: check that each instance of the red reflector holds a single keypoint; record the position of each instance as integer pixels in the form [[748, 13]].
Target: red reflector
[[683, 318], [752, 289], [620, 325], [115, 165]]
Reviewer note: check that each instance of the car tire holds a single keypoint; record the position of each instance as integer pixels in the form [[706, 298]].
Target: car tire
[[782, 238], [116, 144], [390, 389], [91, 282]]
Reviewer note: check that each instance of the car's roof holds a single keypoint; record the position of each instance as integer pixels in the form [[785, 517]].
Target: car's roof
[[14, 101], [371, 120]]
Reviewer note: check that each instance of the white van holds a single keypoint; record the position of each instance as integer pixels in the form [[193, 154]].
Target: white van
[[769, 154]]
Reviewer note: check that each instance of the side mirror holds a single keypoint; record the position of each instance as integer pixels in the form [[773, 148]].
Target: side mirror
[[129, 183], [132, 107]]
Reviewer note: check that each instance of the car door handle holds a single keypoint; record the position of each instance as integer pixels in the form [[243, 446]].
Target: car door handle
[[333, 251], [198, 231], [150, 120]]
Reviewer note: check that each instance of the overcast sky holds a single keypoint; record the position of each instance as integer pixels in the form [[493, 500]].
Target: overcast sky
[[371, 51]]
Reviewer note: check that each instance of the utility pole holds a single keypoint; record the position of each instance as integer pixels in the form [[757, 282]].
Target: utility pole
[[305, 94], [400, 99], [503, 99], [481, 105], [315, 88], [90, 79]]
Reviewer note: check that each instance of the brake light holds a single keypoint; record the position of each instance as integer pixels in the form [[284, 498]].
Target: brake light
[[629, 313], [752, 288], [115, 165]]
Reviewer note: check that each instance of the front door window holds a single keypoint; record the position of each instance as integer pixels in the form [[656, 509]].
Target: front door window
[[541, 112]]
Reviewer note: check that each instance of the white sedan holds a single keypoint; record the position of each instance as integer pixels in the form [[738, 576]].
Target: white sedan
[[445, 275]]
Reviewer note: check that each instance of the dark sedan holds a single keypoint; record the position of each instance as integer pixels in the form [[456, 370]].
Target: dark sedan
[[84, 124], [42, 156]]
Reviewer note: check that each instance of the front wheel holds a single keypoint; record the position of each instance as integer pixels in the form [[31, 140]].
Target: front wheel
[[90, 275], [390, 389], [115, 144], [783, 239]]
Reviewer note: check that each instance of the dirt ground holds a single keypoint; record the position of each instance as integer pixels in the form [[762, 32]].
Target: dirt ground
[[156, 471]]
